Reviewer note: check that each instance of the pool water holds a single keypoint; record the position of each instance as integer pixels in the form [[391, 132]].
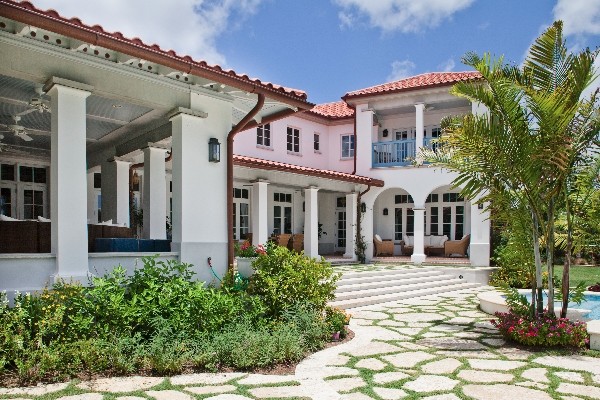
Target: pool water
[[591, 302]]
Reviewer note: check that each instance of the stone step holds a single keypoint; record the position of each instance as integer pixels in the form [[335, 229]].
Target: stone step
[[389, 286], [408, 286], [380, 272], [360, 279], [447, 286]]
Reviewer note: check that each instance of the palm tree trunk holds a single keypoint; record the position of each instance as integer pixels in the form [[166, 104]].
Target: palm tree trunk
[[539, 308], [550, 256], [568, 251]]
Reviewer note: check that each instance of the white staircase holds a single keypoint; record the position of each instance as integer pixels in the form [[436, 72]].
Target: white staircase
[[357, 289]]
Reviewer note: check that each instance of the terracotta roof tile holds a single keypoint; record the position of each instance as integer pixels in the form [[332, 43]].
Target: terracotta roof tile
[[429, 79], [251, 162], [335, 110], [8, 8]]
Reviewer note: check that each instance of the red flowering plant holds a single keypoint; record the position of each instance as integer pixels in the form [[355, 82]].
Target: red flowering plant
[[520, 326], [248, 250]]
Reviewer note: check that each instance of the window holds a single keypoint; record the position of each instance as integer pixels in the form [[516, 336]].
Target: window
[[398, 224], [459, 225], [410, 222], [403, 199], [241, 213], [341, 202], [240, 193], [347, 146], [453, 198], [32, 174], [6, 200], [7, 172], [282, 213], [402, 134], [316, 143], [436, 132], [433, 222], [97, 180], [293, 140], [282, 197], [33, 204], [263, 135]]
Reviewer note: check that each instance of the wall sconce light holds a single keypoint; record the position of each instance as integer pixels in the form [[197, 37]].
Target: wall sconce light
[[214, 150], [480, 206], [135, 182], [385, 133], [385, 211], [363, 207]]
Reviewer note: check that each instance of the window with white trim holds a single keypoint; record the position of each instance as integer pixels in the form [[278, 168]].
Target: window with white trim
[[263, 135], [241, 213], [293, 140], [347, 146], [317, 142]]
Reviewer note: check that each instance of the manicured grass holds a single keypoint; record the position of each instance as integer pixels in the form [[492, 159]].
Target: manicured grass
[[588, 274]]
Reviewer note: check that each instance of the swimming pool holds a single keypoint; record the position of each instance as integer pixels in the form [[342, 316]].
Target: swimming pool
[[591, 302]]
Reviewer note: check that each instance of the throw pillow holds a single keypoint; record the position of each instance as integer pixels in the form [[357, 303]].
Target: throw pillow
[[42, 219], [378, 238], [7, 218]]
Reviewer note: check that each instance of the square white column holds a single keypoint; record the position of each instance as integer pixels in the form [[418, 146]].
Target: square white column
[[200, 189], [419, 126], [311, 222], [155, 192], [68, 178], [351, 225], [115, 191], [418, 256], [260, 209], [364, 139], [479, 247]]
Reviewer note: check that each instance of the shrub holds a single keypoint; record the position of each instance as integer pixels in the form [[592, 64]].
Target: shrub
[[545, 330], [284, 279], [337, 319]]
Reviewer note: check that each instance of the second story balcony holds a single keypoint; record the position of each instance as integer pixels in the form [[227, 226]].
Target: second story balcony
[[397, 153]]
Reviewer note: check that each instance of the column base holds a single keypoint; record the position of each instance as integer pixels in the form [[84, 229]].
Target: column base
[[351, 256], [84, 280], [197, 254], [418, 258], [479, 254]]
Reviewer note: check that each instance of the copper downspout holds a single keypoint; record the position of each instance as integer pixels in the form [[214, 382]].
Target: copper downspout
[[230, 138]]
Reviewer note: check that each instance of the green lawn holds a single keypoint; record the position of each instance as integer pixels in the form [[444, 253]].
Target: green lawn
[[589, 275]]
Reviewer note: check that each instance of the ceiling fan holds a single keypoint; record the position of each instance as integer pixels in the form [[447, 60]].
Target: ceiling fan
[[16, 129], [37, 103]]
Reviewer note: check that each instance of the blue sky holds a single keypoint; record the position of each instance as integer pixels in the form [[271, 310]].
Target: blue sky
[[330, 47]]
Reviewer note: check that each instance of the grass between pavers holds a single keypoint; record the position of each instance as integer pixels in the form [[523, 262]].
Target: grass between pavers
[[475, 326]]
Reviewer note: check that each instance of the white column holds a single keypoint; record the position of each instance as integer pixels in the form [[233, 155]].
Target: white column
[[364, 140], [200, 188], [68, 180], [115, 191], [155, 191], [418, 256], [479, 248], [366, 227], [260, 221], [311, 222], [419, 126], [351, 225]]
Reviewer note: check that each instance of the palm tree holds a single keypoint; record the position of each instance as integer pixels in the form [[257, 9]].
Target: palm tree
[[536, 132]]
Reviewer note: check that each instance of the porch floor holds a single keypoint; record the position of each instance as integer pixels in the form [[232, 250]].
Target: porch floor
[[430, 260]]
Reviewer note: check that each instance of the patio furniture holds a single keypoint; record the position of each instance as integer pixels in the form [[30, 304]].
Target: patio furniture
[[434, 244], [297, 242], [458, 247], [407, 245], [107, 232], [19, 237], [282, 239], [383, 246]]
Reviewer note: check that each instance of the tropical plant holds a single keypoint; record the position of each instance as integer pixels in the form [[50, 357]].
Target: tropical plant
[[523, 152]]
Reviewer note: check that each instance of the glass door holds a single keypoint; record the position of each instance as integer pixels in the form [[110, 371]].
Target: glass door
[[341, 231]]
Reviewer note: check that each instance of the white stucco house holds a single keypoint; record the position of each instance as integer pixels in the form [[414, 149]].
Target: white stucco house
[[96, 127]]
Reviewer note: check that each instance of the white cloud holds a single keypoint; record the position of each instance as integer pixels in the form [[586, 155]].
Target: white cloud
[[401, 69], [400, 15], [447, 65], [190, 27], [580, 17]]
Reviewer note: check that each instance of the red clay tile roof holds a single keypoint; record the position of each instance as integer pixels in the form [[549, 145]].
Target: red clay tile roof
[[27, 13], [251, 162], [430, 79], [335, 110]]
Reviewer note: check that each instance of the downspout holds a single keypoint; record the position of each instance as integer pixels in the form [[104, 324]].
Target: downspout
[[230, 138], [359, 216], [355, 140]]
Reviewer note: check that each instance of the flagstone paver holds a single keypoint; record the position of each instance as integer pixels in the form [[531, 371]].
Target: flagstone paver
[[121, 385], [168, 395], [259, 379], [445, 366], [431, 383], [388, 377], [448, 396], [130, 398], [228, 397], [570, 376], [536, 374], [592, 392], [471, 375], [205, 379], [86, 396], [408, 359], [357, 396], [576, 363], [452, 344], [373, 348], [35, 390], [499, 365], [503, 392], [347, 384], [372, 364], [389, 394], [211, 389], [276, 391]]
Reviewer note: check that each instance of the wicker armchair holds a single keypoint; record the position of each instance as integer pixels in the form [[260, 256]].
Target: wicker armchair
[[297, 242], [383, 247], [457, 246], [282, 239]]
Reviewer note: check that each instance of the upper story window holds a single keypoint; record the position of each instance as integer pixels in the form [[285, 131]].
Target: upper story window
[[293, 140], [402, 134], [317, 142], [263, 135], [347, 146]]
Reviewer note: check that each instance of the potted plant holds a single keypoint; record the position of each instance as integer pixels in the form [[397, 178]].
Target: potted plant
[[245, 254]]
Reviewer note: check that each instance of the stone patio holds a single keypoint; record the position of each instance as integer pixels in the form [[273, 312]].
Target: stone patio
[[436, 347]]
